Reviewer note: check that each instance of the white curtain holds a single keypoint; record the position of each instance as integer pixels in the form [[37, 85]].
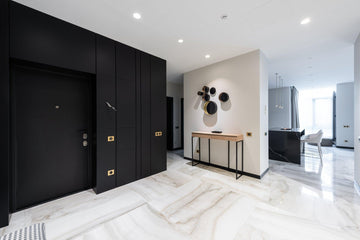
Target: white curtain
[[295, 123]]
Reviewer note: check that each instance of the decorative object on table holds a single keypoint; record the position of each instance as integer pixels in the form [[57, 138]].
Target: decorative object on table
[[216, 131], [210, 108], [224, 97], [205, 89], [206, 97], [34, 232], [212, 91], [200, 93]]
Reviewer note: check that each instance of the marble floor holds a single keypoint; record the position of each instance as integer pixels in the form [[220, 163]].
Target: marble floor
[[202, 202]]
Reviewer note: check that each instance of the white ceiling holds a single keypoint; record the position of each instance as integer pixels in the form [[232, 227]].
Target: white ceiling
[[270, 25]]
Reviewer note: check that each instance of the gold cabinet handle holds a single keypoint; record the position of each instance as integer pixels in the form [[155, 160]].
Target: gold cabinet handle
[[111, 172], [158, 134]]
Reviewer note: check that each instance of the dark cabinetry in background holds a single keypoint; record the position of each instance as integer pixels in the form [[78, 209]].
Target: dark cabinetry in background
[[129, 96], [4, 113], [158, 114], [105, 116], [126, 115], [153, 114]]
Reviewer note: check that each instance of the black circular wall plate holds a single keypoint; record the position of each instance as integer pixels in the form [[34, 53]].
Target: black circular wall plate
[[224, 97], [200, 93], [210, 108], [205, 89], [212, 91]]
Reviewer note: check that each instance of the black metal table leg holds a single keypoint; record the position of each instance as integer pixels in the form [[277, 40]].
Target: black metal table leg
[[199, 149], [229, 154], [192, 152], [236, 172], [242, 157], [209, 150]]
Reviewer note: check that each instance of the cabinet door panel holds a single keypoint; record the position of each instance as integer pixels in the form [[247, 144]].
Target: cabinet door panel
[[38, 37], [105, 116], [145, 115], [158, 114], [126, 155], [126, 114], [4, 113]]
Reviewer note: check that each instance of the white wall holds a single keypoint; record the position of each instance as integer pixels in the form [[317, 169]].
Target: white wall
[[264, 117], [345, 114], [245, 79], [177, 92], [357, 111], [280, 117]]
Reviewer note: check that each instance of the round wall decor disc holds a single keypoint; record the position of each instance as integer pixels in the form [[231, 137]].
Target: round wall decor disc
[[224, 97], [205, 89], [210, 108], [206, 97]]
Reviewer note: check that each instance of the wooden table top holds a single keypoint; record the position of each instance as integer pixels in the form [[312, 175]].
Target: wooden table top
[[219, 136]]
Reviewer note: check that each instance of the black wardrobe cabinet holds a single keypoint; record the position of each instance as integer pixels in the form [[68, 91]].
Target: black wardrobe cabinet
[[127, 138], [105, 115], [4, 113]]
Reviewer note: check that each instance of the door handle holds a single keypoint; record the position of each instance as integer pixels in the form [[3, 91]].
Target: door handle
[[110, 106]]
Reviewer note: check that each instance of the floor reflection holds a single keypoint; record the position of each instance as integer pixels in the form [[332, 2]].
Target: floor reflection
[[334, 178]]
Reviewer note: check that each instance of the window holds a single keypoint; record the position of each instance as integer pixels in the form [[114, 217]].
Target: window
[[316, 111]]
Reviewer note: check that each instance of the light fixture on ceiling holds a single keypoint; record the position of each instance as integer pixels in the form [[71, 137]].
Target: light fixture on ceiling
[[305, 21], [279, 94], [224, 17], [207, 56], [180, 40], [137, 15]]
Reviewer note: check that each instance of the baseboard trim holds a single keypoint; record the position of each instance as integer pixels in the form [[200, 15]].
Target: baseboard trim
[[357, 187], [232, 170], [174, 149], [344, 147]]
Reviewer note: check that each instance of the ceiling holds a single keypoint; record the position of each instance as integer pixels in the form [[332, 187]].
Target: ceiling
[[317, 54]]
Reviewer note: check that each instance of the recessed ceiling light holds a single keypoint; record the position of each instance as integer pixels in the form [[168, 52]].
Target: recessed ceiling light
[[137, 15], [305, 21], [224, 17], [207, 56], [180, 40]]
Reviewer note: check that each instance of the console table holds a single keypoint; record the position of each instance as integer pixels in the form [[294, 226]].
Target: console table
[[220, 136]]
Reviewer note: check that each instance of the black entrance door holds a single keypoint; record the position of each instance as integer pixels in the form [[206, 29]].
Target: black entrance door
[[51, 117]]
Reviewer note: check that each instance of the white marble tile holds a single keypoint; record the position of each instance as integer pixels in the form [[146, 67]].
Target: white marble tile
[[202, 202]]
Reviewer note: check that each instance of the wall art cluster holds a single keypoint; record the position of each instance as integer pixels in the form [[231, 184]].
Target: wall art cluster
[[210, 107]]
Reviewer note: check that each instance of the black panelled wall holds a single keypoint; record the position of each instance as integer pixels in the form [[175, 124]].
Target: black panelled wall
[[129, 97], [4, 113], [126, 114], [106, 116]]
